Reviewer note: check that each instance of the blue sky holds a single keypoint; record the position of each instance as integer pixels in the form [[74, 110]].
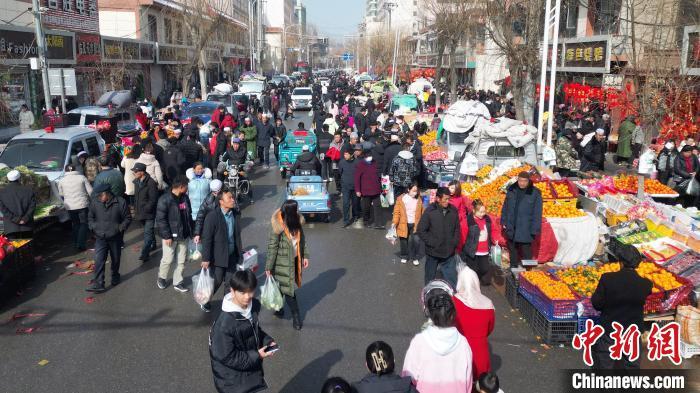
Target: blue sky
[[335, 17]]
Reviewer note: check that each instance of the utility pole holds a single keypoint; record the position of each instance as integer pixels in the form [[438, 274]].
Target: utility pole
[[41, 46], [389, 8]]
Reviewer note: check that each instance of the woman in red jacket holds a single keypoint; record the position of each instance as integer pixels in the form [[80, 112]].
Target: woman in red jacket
[[460, 203], [475, 319]]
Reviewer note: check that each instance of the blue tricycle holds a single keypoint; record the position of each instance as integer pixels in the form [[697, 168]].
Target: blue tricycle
[[311, 194], [291, 146]]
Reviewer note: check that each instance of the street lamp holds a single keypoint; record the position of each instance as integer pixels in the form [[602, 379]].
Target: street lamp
[[284, 46], [389, 6]]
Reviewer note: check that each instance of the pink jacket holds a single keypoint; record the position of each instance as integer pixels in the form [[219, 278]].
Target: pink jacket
[[439, 360]]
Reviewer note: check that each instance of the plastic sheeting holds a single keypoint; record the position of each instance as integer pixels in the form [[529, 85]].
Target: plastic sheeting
[[518, 133], [462, 116], [223, 88], [419, 85], [577, 238], [119, 98]]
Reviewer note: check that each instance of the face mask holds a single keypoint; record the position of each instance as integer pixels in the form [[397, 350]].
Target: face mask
[[368, 159], [669, 146]]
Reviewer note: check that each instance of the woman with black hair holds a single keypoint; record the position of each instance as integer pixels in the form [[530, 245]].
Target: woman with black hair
[[287, 255], [379, 359], [439, 359]]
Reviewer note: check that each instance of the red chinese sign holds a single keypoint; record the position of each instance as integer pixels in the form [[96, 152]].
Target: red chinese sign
[[87, 48]]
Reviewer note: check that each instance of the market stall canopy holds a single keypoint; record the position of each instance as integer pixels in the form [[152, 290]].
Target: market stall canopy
[[381, 86], [401, 104], [462, 116], [419, 86]]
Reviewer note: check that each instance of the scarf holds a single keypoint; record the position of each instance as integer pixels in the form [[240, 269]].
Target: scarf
[[469, 292]]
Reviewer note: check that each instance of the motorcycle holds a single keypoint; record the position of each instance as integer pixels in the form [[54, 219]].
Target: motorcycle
[[234, 178]]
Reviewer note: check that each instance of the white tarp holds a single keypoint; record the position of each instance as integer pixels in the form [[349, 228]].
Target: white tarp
[[461, 116], [517, 133], [418, 85], [577, 238], [223, 88]]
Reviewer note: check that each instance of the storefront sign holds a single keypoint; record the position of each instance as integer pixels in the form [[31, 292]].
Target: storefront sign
[[591, 54], [613, 81], [690, 60], [87, 48], [126, 50], [74, 15], [174, 54], [17, 45]]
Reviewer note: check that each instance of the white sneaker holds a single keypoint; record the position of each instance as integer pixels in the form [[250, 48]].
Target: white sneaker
[[415, 262], [404, 260]]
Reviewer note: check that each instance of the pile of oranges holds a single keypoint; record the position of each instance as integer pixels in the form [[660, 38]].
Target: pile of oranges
[[494, 203], [544, 188], [629, 183], [562, 190], [469, 187], [489, 189], [660, 277], [484, 171], [653, 186], [560, 210], [514, 172], [428, 138], [553, 289], [584, 279]]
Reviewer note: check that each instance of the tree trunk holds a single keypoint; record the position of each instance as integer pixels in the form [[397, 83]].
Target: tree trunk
[[453, 73], [438, 75], [203, 73]]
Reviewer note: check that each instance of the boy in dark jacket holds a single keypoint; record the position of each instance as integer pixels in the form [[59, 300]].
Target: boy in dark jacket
[[174, 220], [439, 229], [108, 219], [237, 343], [346, 170], [145, 201]]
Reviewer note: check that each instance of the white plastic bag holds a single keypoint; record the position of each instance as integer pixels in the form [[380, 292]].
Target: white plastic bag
[[270, 295], [391, 235], [693, 187], [194, 252], [250, 260], [496, 255], [203, 287]]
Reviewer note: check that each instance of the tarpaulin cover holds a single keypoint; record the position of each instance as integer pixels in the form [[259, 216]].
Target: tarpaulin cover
[[577, 238], [461, 116], [518, 133], [419, 85]]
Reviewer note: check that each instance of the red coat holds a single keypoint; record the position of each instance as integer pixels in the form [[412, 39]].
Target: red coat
[[366, 179], [476, 326], [228, 122], [460, 203]]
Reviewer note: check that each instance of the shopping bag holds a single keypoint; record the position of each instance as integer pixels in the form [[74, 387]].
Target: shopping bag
[[459, 263], [384, 201], [270, 295], [203, 287], [390, 196], [496, 254], [391, 235], [194, 251], [693, 187], [250, 260]]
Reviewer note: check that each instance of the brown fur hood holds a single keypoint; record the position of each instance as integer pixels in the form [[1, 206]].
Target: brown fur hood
[[277, 222]]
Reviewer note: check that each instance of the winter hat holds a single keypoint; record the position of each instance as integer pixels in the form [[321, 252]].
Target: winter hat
[[227, 129], [82, 153], [139, 167], [394, 138], [354, 135], [215, 185], [600, 131], [13, 175], [235, 140], [100, 188], [305, 148]]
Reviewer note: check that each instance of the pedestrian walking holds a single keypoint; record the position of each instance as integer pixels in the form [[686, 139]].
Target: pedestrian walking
[[17, 205], [620, 297], [221, 240], [174, 220], [477, 246], [208, 204], [26, 119], [685, 167], [439, 359], [153, 168], [127, 164], [346, 170], [110, 176], [250, 135], [665, 161], [379, 360], [403, 171], [521, 218], [280, 134], [237, 344], [460, 203], [108, 219], [192, 150], [439, 230], [173, 161], [75, 189], [145, 203], [408, 211], [475, 319], [368, 188], [287, 255], [593, 151], [391, 151], [266, 131], [624, 140], [198, 186]]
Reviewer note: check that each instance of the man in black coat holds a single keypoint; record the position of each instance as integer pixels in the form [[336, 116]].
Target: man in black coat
[[174, 161], [237, 343], [390, 152], [266, 131], [620, 297], [280, 134], [361, 121], [222, 248], [145, 201], [174, 221], [17, 204], [593, 157], [191, 150], [439, 229], [108, 219], [306, 161], [521, 218], [346, 170]]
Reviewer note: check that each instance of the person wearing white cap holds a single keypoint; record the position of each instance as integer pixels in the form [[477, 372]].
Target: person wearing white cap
[[307, 161], [17, 204], [593, 151], [207, 205]]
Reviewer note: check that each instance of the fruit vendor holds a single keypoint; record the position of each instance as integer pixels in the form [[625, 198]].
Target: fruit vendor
[[17, 204], [620, 297], [521, 218]]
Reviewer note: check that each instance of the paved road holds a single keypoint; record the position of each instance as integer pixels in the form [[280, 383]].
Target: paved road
[[137, 338]]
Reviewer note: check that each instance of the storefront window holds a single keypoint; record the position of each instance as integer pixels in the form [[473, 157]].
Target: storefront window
[[13, 95]]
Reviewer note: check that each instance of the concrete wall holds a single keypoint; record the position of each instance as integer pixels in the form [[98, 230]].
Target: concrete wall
[[9, 9], [118, 24]]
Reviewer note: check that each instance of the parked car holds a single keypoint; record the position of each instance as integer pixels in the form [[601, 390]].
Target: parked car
[[102, 118], [203, 110], [301, 98], [280, 80], [226, 100]]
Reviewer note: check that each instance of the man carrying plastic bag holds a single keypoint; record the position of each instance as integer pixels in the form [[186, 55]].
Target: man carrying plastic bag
[[221, 241], [203, 284]]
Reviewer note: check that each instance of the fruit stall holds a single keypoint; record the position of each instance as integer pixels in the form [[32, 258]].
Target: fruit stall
[[16, 266]]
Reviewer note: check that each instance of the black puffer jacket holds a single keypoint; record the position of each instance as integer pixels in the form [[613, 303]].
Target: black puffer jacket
[[390, 152], [473, 233], [108, 219], [439, 230], [173, 223], [307, 161], [145, 198], [233, 348], [174, 161], [391, 383], [208, 205], [235, 157], [192, 151]]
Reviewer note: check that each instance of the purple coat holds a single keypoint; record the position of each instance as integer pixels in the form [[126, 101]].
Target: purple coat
[[367, 179]]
